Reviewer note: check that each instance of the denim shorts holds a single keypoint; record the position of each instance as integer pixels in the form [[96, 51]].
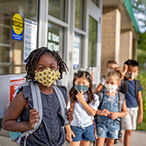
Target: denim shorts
[[108, 129], [86, 134]]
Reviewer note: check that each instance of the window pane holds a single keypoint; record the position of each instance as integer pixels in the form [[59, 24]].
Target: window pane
[[11, 51], [55, 38], [57, 9], [97, 2], [92, 42], [79, 17]]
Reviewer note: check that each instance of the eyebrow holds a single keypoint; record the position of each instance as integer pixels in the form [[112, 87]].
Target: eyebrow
[[43, 64]]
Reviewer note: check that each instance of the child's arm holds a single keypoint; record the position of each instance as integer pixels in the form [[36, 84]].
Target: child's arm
[[98, 88], [89, 110], [13, 112], [140, 105], [123, 113], [104, 112], [69, 133]]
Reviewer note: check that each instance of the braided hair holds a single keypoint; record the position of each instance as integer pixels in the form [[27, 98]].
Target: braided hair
[[34, 57]]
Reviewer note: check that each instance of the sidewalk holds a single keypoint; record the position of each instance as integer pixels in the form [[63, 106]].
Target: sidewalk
[[138, 139]]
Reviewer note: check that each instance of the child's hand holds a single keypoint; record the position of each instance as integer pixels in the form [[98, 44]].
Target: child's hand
[[105, 112], [113, 115], [140, 119], [33, 118], [70, 115], [69, 133], [80, 96], [125, 68]]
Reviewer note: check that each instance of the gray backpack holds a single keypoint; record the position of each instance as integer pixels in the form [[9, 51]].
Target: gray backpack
[[37, 104]]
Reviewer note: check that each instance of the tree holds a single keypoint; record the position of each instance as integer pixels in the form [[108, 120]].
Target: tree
[[139, 8]]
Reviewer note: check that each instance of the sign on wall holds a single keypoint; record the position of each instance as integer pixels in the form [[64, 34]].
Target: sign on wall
[[76, 50], [15, 82], [17, 27], [30, 37]]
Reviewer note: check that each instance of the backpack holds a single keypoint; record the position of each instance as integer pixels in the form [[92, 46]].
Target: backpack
[[37, 104], [124, 86]]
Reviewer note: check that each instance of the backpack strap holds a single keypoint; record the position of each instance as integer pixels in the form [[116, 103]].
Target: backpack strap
[[37, 104], [100, 94], [62, 104], [121, 101], [124, 87], [137, 86]]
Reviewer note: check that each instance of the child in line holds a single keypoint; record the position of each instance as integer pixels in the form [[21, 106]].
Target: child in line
[[112, 107], [40, 62], [111, 64], [133, 99], [85, 106]]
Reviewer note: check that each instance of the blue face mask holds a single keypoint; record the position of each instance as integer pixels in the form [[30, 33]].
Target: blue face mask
[[84, 88]]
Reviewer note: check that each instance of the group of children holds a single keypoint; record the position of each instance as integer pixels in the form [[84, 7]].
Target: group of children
[[44, 67]]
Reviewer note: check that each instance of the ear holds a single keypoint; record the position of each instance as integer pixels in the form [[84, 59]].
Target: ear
[[58, 67]]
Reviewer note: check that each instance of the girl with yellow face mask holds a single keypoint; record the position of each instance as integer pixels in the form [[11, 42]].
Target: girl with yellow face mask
[[43, 68]]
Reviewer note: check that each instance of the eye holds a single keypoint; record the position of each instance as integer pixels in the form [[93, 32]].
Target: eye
[[112, 83], [41, 68], [52, 67]]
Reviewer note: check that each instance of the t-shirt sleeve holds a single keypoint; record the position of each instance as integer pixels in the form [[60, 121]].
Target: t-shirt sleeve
[[102, 80], [140, 88], [96, 104]]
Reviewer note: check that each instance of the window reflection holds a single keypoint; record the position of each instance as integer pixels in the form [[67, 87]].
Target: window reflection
[[79, 14], [92, 42], [55, 38], [11, 51], [57, 9]]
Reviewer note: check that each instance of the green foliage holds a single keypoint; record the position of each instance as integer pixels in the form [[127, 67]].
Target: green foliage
[[142, 78], [139, 7]]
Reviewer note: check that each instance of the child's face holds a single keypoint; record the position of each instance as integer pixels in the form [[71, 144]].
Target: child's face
[[46, 61], [111, 81], [111, 66], [82, 85], [132, 72], [82, 81], [111, 84]]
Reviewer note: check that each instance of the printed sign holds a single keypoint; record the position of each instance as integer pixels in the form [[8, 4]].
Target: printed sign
[[30, 37], [17, 27], [14, 84], [76, 50]]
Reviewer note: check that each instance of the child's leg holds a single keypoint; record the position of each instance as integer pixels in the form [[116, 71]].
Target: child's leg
[[75, 143], [84, 143], [110, 142], [100, 141], [127, 137]]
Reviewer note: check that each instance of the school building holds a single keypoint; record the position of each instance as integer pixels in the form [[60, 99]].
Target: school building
[[86, 34]]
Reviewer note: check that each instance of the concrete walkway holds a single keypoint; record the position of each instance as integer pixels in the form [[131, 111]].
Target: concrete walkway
[[138, 139]]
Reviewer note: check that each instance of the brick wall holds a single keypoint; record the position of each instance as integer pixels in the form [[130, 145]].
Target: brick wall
[[125, 46], [111, 20]]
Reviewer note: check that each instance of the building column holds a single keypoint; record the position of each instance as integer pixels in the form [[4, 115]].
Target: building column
[[126, 47], [111, 26]]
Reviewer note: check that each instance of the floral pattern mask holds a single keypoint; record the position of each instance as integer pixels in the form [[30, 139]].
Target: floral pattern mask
[[47, 77]]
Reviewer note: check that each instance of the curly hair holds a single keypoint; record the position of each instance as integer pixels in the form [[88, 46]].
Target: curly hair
[[34, 57]]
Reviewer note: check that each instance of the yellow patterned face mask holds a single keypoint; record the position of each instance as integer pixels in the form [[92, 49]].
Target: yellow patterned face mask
[[47, 77]]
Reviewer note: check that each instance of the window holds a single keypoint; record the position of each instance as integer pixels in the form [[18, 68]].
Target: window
[[97, 2], [11, 51], [79, 14], [92, 44], [55, 38], [57, 9]]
